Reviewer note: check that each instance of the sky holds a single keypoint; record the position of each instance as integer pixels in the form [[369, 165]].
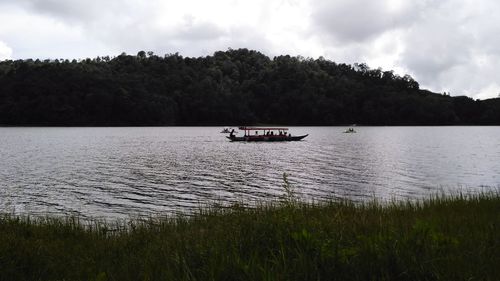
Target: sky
[[450, 46]]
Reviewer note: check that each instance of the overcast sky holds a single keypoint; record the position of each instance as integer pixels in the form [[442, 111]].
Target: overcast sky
[[446, 45]]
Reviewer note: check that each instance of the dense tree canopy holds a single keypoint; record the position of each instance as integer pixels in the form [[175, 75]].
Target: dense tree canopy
[[228, 88]]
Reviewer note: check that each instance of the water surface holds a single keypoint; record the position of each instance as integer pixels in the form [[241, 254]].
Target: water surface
[[124, 172]]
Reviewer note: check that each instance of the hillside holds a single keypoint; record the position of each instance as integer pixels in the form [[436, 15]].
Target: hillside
[[228, 88]]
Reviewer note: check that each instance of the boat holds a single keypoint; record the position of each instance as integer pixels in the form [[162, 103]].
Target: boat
[[225, 131], [350, 130], [264, 134]]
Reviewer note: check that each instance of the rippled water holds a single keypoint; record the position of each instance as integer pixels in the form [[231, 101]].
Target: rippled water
[[125, 172]]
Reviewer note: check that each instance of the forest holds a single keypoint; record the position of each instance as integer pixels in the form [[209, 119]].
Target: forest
[[233, 87]]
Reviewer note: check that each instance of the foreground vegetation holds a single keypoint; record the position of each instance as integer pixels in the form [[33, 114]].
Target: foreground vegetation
[[444, 238], [234, 87]]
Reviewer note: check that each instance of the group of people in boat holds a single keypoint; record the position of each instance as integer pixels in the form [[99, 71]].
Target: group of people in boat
[[271, 133], [264, 134], [268, 133]]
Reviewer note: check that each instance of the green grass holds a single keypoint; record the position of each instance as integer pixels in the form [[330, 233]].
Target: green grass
[[442, 238]]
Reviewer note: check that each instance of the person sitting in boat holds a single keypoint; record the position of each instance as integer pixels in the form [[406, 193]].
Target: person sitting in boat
[[232, 133]]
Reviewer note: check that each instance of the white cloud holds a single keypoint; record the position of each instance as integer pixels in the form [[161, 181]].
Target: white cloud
[[190, 27], [32, 35], [5, 51], [491, 90]]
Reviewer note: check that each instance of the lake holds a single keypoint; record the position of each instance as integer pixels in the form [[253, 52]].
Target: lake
[[124, 172]]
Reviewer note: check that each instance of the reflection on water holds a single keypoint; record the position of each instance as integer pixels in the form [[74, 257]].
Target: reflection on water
[[122, 172]]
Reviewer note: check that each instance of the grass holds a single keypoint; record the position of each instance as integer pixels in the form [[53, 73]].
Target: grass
[[442, 238]]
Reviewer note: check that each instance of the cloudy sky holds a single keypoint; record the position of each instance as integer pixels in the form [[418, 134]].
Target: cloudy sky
[[446, 45]]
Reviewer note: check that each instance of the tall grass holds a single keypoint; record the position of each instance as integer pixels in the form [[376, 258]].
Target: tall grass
[[442, 238]]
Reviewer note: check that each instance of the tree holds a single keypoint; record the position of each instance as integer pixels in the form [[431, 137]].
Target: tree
[[141, 55], [232, 87]]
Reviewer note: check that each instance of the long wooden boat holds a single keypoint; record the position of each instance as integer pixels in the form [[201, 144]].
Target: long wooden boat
[[264, 134]]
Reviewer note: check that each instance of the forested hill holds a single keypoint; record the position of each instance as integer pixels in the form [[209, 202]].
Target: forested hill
[[229, 88]]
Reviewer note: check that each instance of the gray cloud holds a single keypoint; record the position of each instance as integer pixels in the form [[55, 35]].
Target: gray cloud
[[193, 30], [454, 52], [445, 45], [442, 48], [74, 10], [360, 20]]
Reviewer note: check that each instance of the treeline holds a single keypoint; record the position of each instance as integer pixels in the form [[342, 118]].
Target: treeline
[[229, 88]]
